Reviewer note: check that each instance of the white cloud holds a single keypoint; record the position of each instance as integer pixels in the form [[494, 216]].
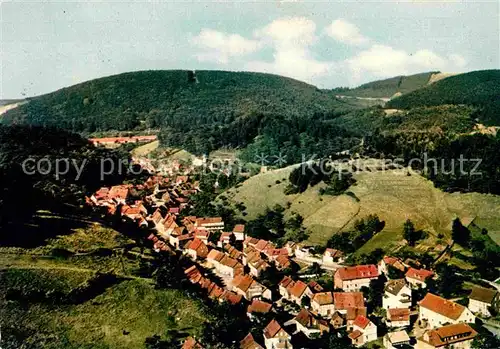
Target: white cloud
[[346, 32], [385, 61], [291, 39], [219, 47]]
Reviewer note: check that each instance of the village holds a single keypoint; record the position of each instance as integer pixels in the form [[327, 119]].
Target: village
[[239, 261]]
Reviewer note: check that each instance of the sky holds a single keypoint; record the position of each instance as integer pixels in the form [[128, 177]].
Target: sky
[[49, 44]]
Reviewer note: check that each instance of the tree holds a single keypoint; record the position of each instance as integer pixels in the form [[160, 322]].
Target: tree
[[409, 233], [459, 233]]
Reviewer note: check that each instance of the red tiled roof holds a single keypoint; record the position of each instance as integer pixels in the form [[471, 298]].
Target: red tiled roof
[[323, 298], [355, 334], [358, 272], [297, 289], [261, 245], [249, 343], [208, 220], [419, 274], [345, 300], [314, 286], [259, 306], [447, 335], [232, 297], [272, 329], [243, 282], [361, 321], [283, 261], [353, 313], [239, 228], [191, 343], [442, 306], [398, 314], [286, 281]]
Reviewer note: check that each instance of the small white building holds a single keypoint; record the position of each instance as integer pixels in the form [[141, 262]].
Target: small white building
[[394, 340], [398, 318], [276, 337], [481, 300], [417, 277], [397, 294], [363, 331]]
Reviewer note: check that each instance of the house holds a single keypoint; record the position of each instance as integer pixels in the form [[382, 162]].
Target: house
[[229, 266], [210, 223], [362, 331], [225, 238], [249, 343], [395, 340], [134, 212], [315, 287], [258, 306], [309, 324], [323, 303], [418, 277], [397, 294], [297, 291], [337, 320], [214, 257], [246, 286], [350, 304], [450, 336], [276, 337], [257, 266], [250, 242], [274, 253], [239, 232], [263, 245], [481, 300], [119, 193], [191, 343], [332, 256], [202, 234], [437, 311], [196, 249], [283, 286], [232, 251], [393, 262], [282, 263], [354, 278], [398, 317]]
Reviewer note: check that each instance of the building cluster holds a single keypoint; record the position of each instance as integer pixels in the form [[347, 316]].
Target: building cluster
[[239, 262]]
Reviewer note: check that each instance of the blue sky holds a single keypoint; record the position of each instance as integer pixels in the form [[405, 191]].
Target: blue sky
[[47, 45]]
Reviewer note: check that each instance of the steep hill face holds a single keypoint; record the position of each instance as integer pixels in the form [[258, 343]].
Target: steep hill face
[[387, 88], [480, 89]]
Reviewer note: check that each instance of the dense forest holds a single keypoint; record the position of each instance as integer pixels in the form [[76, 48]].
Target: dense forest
[[199, 111], [27, 186], [480, 89]]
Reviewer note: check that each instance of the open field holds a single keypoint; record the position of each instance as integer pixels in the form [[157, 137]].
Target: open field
[[123, 316], [144, 150], [392, 195]]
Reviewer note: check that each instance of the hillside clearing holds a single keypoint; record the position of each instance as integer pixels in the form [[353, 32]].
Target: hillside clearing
[[392, 195]]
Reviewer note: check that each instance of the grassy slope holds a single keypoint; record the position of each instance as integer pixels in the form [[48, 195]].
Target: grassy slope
[[131, 304], [388, 87], [394, 196]]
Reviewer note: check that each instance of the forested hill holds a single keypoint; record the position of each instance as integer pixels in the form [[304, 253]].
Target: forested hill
[[480, 89], [198, 111], [151, 99], [389, 87]]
